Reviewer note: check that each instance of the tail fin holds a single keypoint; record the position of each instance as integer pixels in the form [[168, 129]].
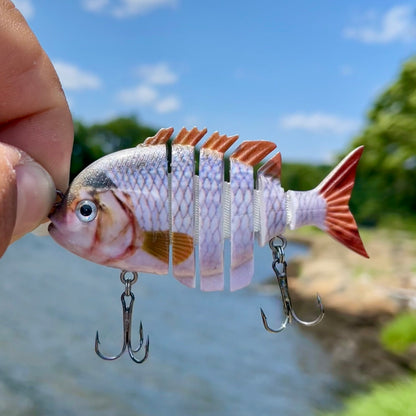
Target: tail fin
[[336, 190]]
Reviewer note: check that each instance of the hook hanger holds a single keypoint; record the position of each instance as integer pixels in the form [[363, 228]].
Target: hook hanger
[[278, 244], [127, 320]]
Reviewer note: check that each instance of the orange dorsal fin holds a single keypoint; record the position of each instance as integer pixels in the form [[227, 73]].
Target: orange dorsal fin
[[219, 143], [253, 152], [161, 137], [272, 167], [336, 189], [190, 138]]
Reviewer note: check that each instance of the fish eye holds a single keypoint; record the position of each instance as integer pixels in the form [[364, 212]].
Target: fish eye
[[86, 210]]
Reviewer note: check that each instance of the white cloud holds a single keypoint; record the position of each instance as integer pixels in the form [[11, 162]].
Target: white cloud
[[396, 25], [148, 93], [147, 96], [346, 70], [318, 123], [126, 8], [25, 7], [142, 95], [95, 5], [157, 74], [133, 7], [167, 104], [74, 78]]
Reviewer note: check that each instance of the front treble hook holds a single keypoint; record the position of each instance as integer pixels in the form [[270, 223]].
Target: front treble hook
[[277, 245], [127, 320]]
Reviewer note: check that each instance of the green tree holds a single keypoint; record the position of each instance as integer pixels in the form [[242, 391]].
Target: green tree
[[97, 140], [301, 177], [386, 177]]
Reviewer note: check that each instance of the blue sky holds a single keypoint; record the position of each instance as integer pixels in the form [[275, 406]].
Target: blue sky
[[300, 73]]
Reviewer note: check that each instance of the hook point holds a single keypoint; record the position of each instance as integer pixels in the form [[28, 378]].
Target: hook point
[[266, 325]]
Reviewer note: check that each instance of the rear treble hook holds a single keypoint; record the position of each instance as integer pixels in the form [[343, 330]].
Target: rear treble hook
[[127, 320], [277, 245]]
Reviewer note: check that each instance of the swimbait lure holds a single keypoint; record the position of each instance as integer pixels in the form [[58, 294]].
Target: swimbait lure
[[143, 208], [129, 208]]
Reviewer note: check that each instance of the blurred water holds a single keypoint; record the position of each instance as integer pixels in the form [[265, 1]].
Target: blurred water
[[209, 353]]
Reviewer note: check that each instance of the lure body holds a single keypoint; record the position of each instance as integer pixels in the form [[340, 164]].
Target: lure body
[[139, 211]]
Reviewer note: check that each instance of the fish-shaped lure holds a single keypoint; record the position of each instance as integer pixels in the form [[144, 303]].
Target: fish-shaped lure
[[140, 209]]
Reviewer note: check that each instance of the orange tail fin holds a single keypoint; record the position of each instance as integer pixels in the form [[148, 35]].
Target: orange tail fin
[[336, 189]]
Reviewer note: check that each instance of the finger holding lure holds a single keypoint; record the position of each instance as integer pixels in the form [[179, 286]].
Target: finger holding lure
[[140, 209]]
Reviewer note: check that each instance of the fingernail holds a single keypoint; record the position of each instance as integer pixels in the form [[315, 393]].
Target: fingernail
[[35, 196]]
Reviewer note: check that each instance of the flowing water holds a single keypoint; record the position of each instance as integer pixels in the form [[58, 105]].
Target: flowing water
[[209, 352]]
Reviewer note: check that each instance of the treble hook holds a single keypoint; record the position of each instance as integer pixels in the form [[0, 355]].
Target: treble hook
[[277, 245], [127, 320]]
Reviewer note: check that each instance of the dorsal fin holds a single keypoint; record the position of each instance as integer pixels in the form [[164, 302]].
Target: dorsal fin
[[219, 143], [190, 138], [161, 137], [253, 152], [272, 167]]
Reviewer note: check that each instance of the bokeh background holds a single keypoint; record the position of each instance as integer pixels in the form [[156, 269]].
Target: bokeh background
[[318, 79]]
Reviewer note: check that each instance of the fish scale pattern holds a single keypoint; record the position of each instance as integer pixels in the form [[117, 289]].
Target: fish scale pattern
[[182, 205], [306, 207], [272, 208], [242, 230], [182, 168], [143, 176], [211, 241]]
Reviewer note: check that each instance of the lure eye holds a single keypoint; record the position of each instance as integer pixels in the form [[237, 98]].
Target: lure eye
[[86, 211]]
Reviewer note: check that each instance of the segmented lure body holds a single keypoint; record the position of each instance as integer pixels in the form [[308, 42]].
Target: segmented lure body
[[137, 210]]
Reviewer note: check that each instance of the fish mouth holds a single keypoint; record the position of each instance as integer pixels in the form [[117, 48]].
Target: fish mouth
[[52, 229], [56, 233], [60, 196]]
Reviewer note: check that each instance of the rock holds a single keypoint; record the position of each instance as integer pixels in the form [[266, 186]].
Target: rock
[[359, 296]]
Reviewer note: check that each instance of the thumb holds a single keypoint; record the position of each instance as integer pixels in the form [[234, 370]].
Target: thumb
[[27, 193]]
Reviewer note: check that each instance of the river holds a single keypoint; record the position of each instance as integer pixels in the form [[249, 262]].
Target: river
[[209, 352]]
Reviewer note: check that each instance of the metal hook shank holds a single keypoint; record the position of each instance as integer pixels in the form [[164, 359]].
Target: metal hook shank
[[279, 266], [127, 323]]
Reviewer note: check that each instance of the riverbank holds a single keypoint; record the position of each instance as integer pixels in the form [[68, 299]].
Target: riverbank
[[360, 295]]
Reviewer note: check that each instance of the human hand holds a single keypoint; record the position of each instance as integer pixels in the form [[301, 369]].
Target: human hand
[[36, 130]]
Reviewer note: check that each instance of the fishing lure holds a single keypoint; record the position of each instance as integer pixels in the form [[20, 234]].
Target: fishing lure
[[142, 209]]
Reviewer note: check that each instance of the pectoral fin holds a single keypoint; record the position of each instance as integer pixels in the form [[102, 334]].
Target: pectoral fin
[[182, 247], [156, 243]]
